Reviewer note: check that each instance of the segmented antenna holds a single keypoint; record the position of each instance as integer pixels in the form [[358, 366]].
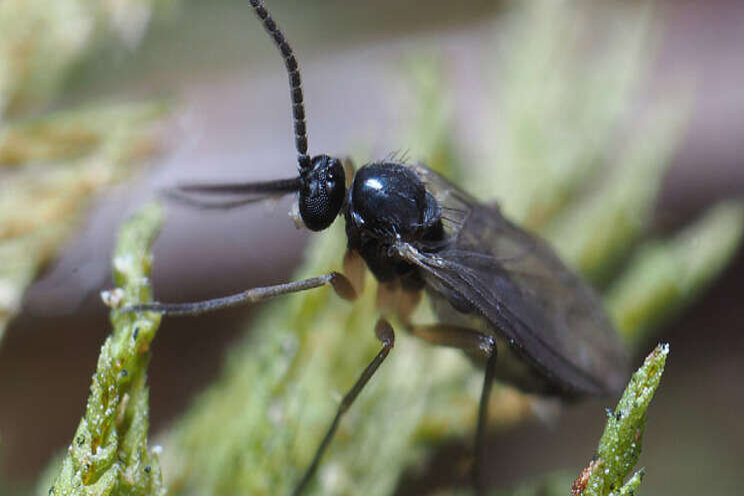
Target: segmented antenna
[[295, 84]]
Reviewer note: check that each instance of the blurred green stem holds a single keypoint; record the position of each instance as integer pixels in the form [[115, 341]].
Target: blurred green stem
[[52, 167]]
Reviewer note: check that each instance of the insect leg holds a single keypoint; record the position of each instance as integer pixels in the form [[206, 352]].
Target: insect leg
[[393, 299], [355, 270], [386, 335], [340, 284], [472, 342], [480, 431]]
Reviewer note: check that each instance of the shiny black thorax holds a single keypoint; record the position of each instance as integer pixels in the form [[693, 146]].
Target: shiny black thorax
[[387, 202]]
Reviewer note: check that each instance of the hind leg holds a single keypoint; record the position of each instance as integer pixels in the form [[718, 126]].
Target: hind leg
[[472, 342]]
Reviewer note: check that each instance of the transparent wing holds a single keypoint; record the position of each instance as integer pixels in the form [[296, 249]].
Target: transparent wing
[[517, 283]]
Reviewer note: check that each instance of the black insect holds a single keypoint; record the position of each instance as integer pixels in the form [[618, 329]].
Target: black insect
[[497, 290]]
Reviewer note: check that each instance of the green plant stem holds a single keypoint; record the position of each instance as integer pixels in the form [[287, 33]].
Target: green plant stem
[[620, 445], [108, 454]]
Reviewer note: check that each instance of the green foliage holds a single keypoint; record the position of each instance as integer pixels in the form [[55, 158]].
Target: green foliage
[[41, 43], [53, 164], [630, 488], [597, 230], [108, 454], [52, 167], [665, 275], [620, 445], [552, 116]]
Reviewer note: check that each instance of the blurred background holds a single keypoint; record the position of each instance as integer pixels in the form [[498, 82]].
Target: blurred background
[[186, 90]]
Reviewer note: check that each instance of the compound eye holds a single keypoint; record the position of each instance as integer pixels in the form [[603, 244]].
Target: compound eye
[[322, 192], [330, 181]]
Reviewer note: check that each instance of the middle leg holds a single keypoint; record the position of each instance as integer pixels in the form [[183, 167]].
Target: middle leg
[[473, 342]]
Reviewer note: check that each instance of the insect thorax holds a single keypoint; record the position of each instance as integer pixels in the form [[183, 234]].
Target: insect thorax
[[388, 203]]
